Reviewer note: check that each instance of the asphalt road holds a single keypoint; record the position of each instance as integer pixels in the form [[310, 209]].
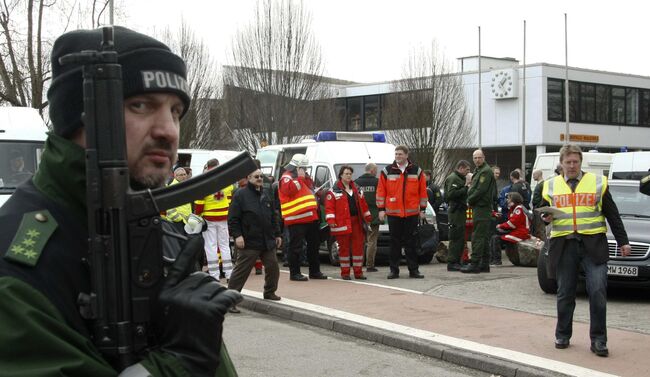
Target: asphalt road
[[262, 345], [510, 287]]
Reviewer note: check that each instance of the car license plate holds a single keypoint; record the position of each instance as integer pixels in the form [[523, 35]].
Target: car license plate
[[622, 270]]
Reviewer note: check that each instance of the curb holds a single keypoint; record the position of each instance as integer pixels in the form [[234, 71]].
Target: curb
[[459, 356]]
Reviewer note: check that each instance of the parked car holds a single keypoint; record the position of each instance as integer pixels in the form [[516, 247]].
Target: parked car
[[633, 270]]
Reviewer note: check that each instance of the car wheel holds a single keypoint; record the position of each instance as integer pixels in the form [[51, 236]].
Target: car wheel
[[333, 252], [547, 285]]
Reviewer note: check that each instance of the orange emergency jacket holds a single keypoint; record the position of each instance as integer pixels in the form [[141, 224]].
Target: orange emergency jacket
[[402, 194], [297, 201]]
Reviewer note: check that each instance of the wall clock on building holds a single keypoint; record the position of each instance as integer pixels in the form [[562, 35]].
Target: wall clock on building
[[504, 84]]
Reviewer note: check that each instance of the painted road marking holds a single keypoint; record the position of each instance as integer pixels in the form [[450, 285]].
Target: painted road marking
[[523, 358]]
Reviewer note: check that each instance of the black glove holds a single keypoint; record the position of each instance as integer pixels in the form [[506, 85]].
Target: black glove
[[191, 310]]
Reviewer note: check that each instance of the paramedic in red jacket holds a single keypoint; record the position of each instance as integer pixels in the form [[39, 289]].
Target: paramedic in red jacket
[[346, 211], [300, 215], [402, 197], [514, 230]]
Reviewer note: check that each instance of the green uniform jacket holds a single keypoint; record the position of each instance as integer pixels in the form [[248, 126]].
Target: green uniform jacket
[[368, 184], [41, 330], [456, 194], [482, 194]]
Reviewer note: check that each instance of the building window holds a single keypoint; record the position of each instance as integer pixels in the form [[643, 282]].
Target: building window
[[644, 107], [574, 92], [354, 114], [555, 99], [632, 106], [602, 104], [618, 105], [587, 103], [371, 112]]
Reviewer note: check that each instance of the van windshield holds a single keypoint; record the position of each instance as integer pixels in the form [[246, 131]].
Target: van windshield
[[359, 169], [18, 162]]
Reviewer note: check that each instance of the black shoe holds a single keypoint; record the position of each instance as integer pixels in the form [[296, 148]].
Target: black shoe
[[234, 310], [346, 277], [318, 276], [371, 269], [496, 263], [485, 268], [299, 277], [470, 269], [600, 348], [393, 275], [285, 264], [561, 343], [454, 266], [304, 264], [360, 277], [272, 297], [416, 275]]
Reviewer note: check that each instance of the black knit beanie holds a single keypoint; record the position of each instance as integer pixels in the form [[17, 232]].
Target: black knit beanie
[[147, 66]]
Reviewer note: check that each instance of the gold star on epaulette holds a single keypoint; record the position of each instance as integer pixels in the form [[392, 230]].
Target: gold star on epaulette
[[29, 253], [28, 242], [33, 233], [18, 249]]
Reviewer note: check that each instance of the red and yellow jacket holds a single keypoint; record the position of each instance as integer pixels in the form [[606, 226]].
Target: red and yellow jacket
[[337, 209], [518, 224], [297, 201], [214, 207], [402, 194]]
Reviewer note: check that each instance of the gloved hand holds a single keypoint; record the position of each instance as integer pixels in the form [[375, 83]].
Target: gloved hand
[[191, 310]]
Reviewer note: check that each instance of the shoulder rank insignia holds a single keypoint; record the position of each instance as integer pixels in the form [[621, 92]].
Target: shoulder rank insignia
[[30, 239]]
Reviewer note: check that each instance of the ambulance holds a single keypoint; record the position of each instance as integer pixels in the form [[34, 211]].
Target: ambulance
[[22, 140], [326, 153]]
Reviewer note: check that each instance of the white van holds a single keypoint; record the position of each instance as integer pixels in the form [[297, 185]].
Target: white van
[[22, 140], [196, 158], [593, 162], [630, 165]]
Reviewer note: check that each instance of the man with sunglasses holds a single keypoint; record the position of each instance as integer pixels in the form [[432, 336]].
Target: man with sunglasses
[[253, 225]]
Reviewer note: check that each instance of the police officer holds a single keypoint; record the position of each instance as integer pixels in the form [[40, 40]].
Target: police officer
[[481, 196], [367, 182], [43, 243], [456, 186]]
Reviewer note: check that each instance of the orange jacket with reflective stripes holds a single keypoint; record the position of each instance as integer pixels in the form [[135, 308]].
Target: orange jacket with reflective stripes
[[297, 201], [337, 209], [402, 194]]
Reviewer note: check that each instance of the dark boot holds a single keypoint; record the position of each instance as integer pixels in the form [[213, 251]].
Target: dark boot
[[470, 269]]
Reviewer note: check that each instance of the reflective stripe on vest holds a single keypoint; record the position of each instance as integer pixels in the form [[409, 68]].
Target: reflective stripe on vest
[[582, 208], [297, 217], [339, 229], [305, 201]]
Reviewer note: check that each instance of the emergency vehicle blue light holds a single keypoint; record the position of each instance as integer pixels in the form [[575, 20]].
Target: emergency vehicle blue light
[[376, 137]]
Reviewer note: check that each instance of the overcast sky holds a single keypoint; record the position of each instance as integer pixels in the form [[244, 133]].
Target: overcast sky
[[368, 40]]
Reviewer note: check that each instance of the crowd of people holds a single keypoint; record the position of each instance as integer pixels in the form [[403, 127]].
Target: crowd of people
[[44, 268]]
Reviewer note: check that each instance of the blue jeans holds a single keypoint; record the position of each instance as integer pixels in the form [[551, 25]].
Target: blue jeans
[[573, 256]]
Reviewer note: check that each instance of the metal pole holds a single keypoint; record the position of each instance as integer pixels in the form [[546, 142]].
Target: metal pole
[[566, 81], [110, 12], [480, 103], [523, 122]]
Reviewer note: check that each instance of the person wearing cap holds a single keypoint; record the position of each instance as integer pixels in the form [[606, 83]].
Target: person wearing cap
[[214, 210], [44, 246], [300, 212], [253, 225], [402, 198]]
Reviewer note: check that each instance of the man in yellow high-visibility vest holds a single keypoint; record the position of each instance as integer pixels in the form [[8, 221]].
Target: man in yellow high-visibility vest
[[578, 239]]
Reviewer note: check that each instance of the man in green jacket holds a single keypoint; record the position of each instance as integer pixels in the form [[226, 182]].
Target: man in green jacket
[[44, 241], [456, 186], [481, 197], [368, 184]]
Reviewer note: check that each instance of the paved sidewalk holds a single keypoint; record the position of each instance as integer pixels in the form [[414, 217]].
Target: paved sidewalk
[[496, 340]]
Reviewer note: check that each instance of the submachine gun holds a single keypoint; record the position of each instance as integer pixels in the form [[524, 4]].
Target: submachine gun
[[124, 226]]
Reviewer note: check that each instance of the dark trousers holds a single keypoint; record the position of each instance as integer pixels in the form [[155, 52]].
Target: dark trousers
[[481, 242], [403, 233], [572, 257], [298, 233], [456, 236], [246, 259]]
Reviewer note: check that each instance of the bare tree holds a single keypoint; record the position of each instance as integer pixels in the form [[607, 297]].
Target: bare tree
[[27, 31], [427, 112], [204, 83], [276, 74]]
